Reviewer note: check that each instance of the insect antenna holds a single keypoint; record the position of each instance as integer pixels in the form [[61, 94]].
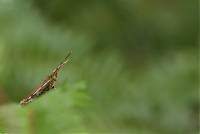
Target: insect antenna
[[66, 60]]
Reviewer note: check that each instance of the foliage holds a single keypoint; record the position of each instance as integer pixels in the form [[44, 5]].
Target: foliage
[[133, 69], [55, 112]]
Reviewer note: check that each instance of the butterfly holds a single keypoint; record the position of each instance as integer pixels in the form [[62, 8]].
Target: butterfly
[[47, 84]]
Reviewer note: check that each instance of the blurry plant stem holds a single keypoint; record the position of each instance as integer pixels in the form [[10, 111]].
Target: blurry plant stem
[[31, 121], [3, 96]]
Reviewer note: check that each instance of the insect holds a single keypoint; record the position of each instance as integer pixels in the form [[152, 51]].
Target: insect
[[47, 84]]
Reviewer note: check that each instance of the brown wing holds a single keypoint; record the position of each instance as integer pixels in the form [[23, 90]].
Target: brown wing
[[37, 92], [42, 87]]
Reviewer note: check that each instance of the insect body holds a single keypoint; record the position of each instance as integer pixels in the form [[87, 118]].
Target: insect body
[[47, 84]]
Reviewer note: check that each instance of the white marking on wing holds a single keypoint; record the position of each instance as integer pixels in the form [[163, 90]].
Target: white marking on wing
[[37, 91]]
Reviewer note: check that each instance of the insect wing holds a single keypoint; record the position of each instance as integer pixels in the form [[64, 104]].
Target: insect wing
[[36, 92]]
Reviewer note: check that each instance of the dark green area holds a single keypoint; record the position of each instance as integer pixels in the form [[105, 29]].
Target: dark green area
[[134, 66]]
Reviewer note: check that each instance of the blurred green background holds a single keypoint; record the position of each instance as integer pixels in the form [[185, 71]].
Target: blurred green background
[[134, 67]]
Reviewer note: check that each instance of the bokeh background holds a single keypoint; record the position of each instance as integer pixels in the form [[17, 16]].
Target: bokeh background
[[134, 67]]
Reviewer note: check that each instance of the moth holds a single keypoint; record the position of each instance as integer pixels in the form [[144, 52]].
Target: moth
[[47, 84]]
